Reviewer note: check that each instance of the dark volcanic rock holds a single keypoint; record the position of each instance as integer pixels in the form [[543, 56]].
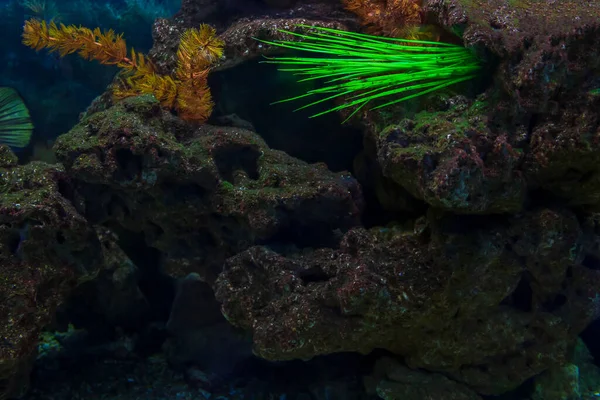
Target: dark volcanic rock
[[453, 161], [535, 130], [564, 156], [198, 333], [545, 49], [205, 196], [239, 26], [45, 248], [392, 380], [113, 295], [488, 303]]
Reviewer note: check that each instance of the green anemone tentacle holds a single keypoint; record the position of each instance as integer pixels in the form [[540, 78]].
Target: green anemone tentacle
[[364, 67]]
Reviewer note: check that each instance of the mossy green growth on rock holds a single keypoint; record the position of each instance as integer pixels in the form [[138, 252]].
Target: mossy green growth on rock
[[7, 157], [452, 160], [45, 248], [200, 193]]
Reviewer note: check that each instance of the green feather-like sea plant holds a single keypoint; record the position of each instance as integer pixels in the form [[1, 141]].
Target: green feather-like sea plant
[[366, 68]]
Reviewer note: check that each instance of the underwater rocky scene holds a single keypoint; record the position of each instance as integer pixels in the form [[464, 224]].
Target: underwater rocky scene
[[300, 200]]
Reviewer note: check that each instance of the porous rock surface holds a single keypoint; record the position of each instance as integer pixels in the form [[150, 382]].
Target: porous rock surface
[[536, 127], [239, 23], [452, 160], [200, 195], [46, 247], [489, 303]]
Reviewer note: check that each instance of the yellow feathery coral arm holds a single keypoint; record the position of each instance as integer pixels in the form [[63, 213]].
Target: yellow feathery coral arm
[[35, 34], [194, 103], [204, 41], [105, 47], [198, 49], [187, 91], [164, 88], [111, 48]]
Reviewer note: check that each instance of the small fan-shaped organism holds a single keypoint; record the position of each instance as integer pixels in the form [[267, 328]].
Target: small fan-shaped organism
[[365, 69], [15, 123]]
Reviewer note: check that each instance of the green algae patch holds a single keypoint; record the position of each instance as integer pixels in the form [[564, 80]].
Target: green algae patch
[[452, 160], [200, 192]]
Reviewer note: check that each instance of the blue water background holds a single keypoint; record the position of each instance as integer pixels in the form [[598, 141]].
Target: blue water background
[[56, 90]]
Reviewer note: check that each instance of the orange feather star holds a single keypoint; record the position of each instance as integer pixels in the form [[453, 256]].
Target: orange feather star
[[186, 92]]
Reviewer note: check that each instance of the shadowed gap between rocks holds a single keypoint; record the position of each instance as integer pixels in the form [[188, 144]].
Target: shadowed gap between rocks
[[244, 94], [155, 285], [248, 91]]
